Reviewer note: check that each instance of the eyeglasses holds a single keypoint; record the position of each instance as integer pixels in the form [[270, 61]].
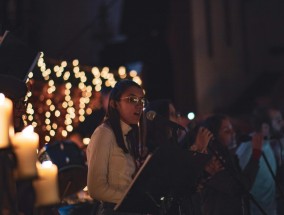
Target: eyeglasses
[[135, 100]]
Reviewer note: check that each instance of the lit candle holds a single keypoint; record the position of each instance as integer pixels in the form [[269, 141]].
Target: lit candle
[[46, 186], [25, 146], [6, 122]]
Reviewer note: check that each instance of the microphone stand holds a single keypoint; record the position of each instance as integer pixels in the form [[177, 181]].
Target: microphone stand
[[237, 178]]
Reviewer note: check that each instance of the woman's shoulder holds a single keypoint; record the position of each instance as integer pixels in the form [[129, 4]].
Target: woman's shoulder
[[102, 135], [103, 132], [104, 127]]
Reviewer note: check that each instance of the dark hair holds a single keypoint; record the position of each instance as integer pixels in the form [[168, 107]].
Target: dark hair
[[213, 123], [156, 132], [113, 116]]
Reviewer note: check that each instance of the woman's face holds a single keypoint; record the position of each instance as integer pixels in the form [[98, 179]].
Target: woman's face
[[276, 120], [130, 106], [227, 133]]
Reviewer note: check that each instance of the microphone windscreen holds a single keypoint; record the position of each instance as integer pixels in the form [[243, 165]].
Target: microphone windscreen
[[150, 115]]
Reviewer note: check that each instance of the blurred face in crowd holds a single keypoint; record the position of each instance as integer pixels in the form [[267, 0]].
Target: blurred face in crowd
[[227, 133], [131, 105], [276, 120]]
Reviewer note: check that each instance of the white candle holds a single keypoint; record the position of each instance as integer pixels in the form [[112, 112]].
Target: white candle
[[46, 186], [6, 121], [25, 145]]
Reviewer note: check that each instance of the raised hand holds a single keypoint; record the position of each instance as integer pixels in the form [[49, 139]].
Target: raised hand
[[202, 139], [257, 141]]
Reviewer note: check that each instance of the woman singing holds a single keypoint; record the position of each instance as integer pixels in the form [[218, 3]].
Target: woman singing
[[113, 158]]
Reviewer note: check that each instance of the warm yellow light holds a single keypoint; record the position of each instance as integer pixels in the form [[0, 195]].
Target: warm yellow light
[[71, 111], [63, 63], [69, 128], [75, 62], [47, 138], [47, 121], [133, 73], [68, 85], [64, 133], [57, 113], [66, 75], [56, 68], [104, 72], [48, 127], [54, 125], [89, 111], [121, 70], [137, 80], [52, 133], [48, 102], [98, 88], [76, 69], [81, 118], [30, 75], [52, 107], [97, 81], [86, 141], [64, 104]]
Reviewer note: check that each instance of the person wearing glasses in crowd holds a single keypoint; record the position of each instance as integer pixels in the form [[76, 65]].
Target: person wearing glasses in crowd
[[113, 157]]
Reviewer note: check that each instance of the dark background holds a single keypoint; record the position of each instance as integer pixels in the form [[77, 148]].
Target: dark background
[[204, 55]]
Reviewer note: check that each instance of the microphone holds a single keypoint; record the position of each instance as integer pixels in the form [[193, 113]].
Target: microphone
[[153, 116]]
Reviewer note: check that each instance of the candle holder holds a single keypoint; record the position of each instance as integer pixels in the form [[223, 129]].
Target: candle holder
[[8, 197]]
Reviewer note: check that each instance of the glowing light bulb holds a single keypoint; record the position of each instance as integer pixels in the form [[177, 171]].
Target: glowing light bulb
[[190, 115]]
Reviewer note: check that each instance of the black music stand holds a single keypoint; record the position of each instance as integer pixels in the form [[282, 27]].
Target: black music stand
[[169, 172]]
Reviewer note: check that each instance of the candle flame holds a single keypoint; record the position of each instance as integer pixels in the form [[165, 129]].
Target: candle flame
[[46, 164], [28, 130], [2, 98]]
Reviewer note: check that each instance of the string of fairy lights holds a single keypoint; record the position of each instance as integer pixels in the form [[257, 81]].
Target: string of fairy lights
[[70, 75]]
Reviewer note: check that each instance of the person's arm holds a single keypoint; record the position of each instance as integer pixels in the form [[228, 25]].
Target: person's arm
[[251, 168], [98, 153]]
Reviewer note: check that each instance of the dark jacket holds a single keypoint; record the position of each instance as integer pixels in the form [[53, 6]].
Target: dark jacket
[[227, 192]]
